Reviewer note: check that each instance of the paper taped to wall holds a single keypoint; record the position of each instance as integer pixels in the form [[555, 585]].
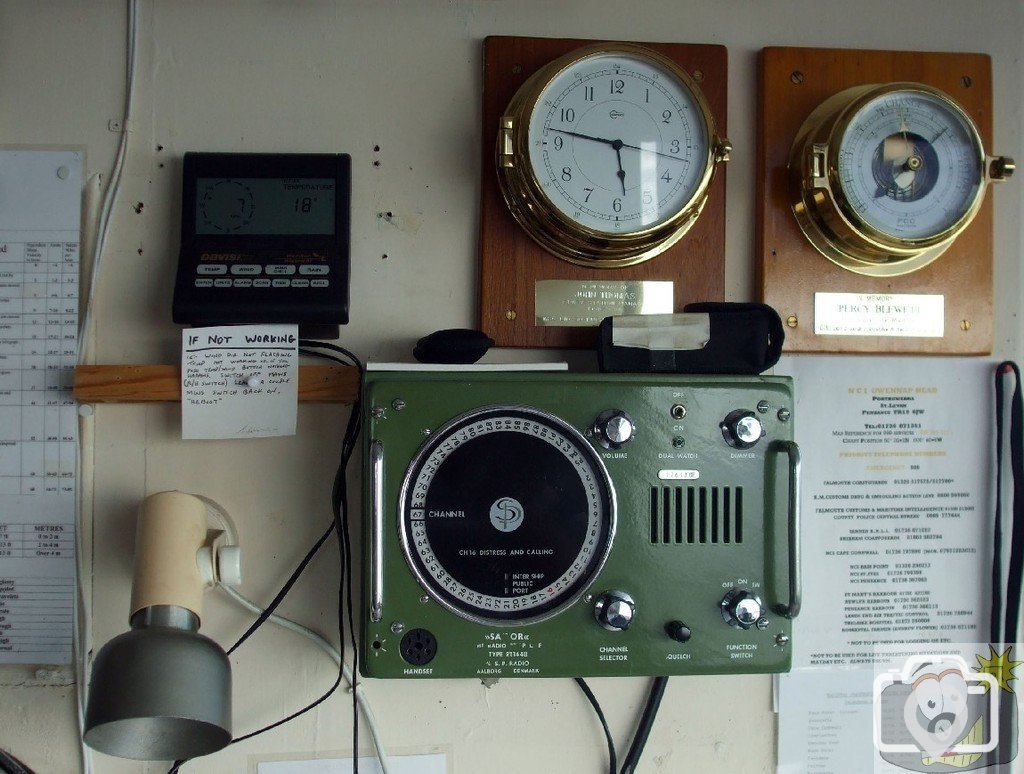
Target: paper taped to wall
[[239, 381], [40, 212]]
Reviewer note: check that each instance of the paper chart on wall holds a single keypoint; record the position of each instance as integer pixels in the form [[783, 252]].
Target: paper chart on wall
[[896, 537], [40, 211]]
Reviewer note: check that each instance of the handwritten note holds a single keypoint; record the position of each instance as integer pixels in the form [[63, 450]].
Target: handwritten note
[[239, 381]]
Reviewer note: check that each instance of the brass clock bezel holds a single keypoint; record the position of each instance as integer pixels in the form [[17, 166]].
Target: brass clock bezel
[[544, 222], [825, 214]]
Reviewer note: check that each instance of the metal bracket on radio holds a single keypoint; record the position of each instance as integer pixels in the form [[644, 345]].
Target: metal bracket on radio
[[792, 608], [377, 541]]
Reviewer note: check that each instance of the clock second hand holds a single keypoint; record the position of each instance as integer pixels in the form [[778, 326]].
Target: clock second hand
[[612, 142]]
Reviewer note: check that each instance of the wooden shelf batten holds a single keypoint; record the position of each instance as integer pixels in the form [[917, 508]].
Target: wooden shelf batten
[[162, 383]]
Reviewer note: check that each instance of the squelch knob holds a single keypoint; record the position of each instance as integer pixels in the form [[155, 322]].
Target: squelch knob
[[614, 428], [742, 429], [614, 610], [741, 608], [678, 631]]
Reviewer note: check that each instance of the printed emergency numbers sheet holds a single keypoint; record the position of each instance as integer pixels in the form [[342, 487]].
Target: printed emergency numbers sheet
[[40, 210]]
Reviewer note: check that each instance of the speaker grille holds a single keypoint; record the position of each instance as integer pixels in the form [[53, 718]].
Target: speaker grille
[[696, 514]]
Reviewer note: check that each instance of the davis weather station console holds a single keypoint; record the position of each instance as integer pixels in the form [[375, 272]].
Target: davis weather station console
[[264, 239], [551, 525]]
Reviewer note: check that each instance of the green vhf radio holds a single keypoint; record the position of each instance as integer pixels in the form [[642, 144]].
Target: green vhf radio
[[531, 524]]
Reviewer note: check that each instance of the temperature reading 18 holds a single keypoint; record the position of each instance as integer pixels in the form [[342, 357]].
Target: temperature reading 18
[[304, 204]]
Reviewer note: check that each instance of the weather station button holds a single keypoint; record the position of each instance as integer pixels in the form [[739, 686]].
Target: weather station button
[[319, 268], [280, 269], [246, 269], [300, 283], [242, 283], [222, 282], [281, 283], [261, 282], [319, 283], [204, 282], [212, 268]]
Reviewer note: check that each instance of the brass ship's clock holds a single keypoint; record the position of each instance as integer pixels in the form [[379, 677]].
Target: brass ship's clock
[[605, 155]]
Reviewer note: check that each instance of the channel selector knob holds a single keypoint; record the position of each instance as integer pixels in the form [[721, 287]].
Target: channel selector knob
[[614, 610], [742, 429], [614, 428], [741, 608]]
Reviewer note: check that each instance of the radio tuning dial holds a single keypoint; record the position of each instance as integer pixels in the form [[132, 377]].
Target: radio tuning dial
[[742, 429], [741, 608], [615, 610], [614, 429]]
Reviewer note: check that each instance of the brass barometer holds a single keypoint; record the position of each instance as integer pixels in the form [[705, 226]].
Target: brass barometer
[[884, 177], [605, 155]]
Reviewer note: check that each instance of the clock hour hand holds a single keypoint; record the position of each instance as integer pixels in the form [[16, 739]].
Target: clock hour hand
[[617, 145]]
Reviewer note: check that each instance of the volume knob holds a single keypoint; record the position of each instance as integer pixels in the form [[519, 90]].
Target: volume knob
[[614, 428], [741, 608]]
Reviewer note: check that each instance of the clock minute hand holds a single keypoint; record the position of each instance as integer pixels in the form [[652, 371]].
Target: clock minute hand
[[621, 145], [586, 137]]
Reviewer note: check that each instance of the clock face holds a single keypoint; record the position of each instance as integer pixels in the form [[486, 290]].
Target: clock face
[[618, 143], [910, 164]]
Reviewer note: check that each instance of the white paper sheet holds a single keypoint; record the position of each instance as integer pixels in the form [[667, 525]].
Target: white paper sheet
[[40, 213], [239, 381], [896, 537], [896, 524]]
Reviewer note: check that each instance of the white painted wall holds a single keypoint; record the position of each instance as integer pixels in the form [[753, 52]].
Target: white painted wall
[[316, 75]]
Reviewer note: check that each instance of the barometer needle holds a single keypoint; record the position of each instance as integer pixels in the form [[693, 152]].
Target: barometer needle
[[612, 142]]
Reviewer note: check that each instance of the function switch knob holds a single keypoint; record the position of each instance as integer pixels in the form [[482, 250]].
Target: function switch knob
[[742, 429], [614, 428], [741, 608], [614, 610]]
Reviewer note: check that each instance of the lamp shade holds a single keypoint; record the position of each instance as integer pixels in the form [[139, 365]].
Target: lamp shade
[[162, 691], [159, 692]]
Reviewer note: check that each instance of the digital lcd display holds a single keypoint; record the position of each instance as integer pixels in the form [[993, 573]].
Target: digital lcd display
[[265, 205]]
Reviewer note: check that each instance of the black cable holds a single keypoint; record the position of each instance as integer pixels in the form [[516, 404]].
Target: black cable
[[11, 765], [339, 502], [612, 761], [1008, 617], [339, 525], [643, 730]]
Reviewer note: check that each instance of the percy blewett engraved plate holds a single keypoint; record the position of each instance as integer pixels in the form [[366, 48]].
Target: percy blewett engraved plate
[[878, 314], [585, 304]]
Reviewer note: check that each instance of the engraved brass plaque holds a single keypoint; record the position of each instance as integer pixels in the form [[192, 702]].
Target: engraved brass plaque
[[584, 304]]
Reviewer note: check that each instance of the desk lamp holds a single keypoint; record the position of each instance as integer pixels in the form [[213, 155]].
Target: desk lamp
[[162, 691]]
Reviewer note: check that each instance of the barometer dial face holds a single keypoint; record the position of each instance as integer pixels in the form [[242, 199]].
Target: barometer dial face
[[506, 515], [910, 165], [618, 142]]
